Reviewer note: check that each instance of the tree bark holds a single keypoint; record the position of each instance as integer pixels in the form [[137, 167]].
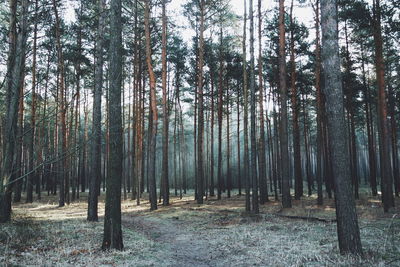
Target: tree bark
[[286, 198], [96, 128], [63, 111], [320, 140], [383, 129], [112, 219], [31, 177], [253, 143], [15, 69], [261, 152], [165, 182], [298, 178], [246, 177], [154, 115], [347, 223], [220, 100], [200, 130]]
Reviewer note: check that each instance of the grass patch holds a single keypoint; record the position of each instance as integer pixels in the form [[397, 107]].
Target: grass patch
[[218, 233]]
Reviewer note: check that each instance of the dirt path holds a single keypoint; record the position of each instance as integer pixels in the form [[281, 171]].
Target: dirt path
[[183, 246]]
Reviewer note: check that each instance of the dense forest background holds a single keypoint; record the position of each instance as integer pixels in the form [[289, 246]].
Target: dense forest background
[[152, 103]]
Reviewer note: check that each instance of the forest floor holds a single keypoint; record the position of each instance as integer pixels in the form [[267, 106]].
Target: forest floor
[[217, 233]]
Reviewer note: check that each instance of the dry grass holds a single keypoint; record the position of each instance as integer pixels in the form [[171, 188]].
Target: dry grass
[[217, 233]]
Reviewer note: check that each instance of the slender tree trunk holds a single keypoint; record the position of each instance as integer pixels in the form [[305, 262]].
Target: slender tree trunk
[[165, 182], [96, 127], [31, 176], [320, 140], [253, 159], [239, 172], [176, 167], [261, 152], [15, 69], [310, 182], [272, 160], [370, 134], [383, 129], [62, 111], [245, 114], [200, 129], [298, 178], [347, 225], [154, 115], [220, 100], [286, 198], [19, 156], [212, 184], [228, 148], [350, 112], [112, 219], [393, 128]]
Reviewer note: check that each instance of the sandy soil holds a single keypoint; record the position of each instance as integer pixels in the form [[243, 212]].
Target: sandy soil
[[217, 233]]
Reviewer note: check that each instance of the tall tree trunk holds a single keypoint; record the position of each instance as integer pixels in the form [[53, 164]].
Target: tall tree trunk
[[31, 176], [261, 152], [200, 129], [350, 112], [137, 114], [310, 181], [62, 111], [370, 134], [286, 198], [165, 182], [112, 219], [15, 69], [298, 178], [393, 128], [320, 107], [176, 167], [212, 184], [96, 127], [253, 143], [220, 100], [347, 223], [228, 147], [154, 115], [239, 172], [383, 129], [245, 114], [272, 160], [19, 157]]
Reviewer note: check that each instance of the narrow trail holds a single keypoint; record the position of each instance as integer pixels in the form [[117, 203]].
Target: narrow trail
[[185, 247]]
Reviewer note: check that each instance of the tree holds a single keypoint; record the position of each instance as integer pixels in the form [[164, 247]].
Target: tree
[[383, 125], [31, 177], [165, 183], [262, 159], [200, 129], [112, 219], [347, 223], [96, 143], [253, 142], [153, 117], [298, 179], [283, 131], [15, 70], [245, 113], [320, 106], [62, 138]]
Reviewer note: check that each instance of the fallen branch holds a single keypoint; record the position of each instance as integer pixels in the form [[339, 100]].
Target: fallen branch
[[313, 219]]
